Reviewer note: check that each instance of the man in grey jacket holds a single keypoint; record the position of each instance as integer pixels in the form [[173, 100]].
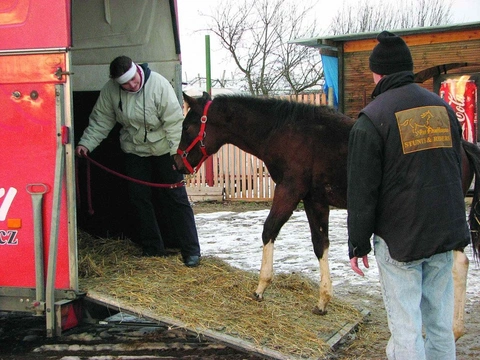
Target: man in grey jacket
[[145, 105]]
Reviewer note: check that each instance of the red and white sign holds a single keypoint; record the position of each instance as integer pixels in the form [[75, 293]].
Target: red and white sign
[[461, 95]]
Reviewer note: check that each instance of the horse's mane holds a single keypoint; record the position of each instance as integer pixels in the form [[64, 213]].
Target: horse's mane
[[284, 112]]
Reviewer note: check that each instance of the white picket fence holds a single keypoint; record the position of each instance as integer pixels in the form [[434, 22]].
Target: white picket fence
[[237, 175]]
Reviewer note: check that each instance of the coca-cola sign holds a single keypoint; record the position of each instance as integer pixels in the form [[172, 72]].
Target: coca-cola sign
[[461, 95]]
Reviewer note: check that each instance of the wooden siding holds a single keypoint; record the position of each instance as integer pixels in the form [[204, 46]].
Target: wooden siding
[[358, 80], [241, 175], [432, 38]]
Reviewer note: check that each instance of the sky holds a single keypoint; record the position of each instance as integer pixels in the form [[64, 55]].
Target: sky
[[192, 33]]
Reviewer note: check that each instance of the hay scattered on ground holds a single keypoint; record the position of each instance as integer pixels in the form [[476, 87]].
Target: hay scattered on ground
[[214, 296]]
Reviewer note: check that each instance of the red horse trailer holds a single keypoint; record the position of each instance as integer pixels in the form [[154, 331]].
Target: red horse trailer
[[45, 47]]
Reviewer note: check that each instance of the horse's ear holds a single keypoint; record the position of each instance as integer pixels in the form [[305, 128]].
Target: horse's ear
[[186, 98], [206, 96], [189, 100], [192, 103]]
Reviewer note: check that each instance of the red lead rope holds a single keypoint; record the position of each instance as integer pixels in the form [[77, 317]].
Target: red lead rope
[[89, 193], [170, 186]]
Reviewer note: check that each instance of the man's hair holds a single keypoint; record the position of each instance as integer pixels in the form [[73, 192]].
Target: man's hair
[[119, 66]]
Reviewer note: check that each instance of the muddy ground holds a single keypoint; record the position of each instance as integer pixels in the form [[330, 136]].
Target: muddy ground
[[23, 336]]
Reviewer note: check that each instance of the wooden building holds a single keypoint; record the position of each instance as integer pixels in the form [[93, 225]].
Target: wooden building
[[439, 53]]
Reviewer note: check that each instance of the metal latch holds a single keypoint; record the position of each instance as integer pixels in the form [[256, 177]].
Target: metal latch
[[59, 73]]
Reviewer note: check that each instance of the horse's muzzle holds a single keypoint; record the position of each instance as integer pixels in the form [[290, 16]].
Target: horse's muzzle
[[179, 165]]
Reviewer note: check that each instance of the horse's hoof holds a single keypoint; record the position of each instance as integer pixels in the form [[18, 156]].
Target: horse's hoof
[[458, 334], [317, 311], [257, 297]]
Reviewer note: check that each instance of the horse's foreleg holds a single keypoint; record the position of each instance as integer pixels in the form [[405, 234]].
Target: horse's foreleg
[[266, 270], [460, 270], [282, 207], [326, 288]]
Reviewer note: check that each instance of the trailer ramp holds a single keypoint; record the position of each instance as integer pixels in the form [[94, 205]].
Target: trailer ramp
[[138, 312]]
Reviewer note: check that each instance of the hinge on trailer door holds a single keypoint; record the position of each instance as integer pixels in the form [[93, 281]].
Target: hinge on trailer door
[[59, 73]]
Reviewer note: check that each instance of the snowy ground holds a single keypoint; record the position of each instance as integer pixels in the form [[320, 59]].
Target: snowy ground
[[236, 238]]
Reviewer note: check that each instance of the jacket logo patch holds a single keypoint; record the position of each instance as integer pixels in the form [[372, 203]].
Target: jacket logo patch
[[424, 128]]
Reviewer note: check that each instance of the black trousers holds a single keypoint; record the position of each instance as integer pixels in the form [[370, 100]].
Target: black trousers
[[151, 203]]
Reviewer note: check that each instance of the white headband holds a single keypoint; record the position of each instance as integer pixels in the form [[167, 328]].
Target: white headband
[[127, 76]]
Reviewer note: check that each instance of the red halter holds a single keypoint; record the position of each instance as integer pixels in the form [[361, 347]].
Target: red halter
[[201, 135]]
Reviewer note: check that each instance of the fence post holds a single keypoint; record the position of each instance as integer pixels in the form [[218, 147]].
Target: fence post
[[209, 162]]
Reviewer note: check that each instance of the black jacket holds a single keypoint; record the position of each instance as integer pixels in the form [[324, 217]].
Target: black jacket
[[404, 173]]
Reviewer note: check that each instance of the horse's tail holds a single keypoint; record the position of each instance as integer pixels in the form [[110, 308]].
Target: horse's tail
[[473, 155]]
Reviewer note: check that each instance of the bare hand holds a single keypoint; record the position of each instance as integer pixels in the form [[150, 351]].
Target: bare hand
[[81, 151], [354, 264]]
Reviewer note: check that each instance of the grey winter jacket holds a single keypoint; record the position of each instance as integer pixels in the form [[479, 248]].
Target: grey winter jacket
[[151, 119]]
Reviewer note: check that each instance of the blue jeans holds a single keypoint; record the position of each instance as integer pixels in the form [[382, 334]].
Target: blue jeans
[[415, 293]]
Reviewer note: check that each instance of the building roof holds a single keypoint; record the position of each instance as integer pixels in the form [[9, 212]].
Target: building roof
[[331, 41]]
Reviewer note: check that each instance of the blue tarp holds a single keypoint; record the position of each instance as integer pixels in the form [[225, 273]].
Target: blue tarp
[[330, 69]]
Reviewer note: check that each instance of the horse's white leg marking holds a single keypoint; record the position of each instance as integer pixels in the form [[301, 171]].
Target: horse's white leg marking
[[460, 270], [326, 289], [266, 270]]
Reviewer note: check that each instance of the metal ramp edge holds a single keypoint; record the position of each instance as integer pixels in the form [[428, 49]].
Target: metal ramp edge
[[335, 340], [236, 343]]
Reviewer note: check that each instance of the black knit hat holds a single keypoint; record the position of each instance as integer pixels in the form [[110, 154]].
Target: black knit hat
[[390, 55]]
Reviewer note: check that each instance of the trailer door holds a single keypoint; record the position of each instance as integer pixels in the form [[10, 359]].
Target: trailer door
[[37, 216]]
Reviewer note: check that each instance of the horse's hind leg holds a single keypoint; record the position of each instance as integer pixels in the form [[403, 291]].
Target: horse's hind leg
[[460, 270], [318, 220], [326, 289], [282, 207]]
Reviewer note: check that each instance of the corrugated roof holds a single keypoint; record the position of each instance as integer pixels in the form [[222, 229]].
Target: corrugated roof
[[328, 41]]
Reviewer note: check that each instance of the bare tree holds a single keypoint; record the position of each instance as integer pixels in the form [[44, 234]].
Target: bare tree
[[256, 34], [366, 16]]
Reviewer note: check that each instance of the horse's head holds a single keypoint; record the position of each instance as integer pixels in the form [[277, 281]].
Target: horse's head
[[191, 151]]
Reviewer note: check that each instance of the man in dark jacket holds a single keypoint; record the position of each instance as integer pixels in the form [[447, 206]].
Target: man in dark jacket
[[404, 187]]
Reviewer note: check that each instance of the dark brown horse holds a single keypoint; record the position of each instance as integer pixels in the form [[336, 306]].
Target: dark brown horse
[[304, 148]]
